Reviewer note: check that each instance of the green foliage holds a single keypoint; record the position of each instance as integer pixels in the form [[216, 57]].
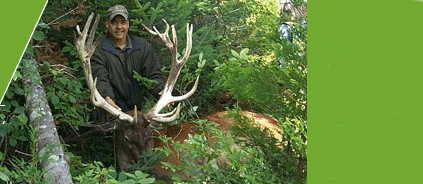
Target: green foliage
[[269, 87], [23, 171], [97, 173], [13, 124], [281, 162], [144, 82], [279, 89], [148, 160], [295, 133], [218, 156], [68, 98]]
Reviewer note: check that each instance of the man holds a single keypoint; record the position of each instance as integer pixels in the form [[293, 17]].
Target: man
[[117, 56]]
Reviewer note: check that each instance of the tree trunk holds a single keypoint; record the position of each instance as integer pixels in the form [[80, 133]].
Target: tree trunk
[[57, 168], [286, 6]]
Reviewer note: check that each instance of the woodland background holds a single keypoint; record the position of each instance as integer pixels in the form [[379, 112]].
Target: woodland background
[[243, 63]]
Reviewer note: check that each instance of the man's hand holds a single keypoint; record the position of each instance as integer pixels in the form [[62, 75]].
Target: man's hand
[[112, 103]]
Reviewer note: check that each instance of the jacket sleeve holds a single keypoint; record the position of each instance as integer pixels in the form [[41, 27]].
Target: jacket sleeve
[[152, 71], [99, 71]]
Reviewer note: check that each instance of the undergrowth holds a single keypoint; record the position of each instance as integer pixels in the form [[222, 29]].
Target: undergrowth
[[246, 154]]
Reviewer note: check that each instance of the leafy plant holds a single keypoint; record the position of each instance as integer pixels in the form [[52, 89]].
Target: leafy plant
[[279, 90], [217, 156], [68, 97], [96, 173], [23, 171], [14, 130]]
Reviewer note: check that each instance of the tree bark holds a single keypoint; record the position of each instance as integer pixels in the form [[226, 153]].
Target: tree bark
[[38, 110]]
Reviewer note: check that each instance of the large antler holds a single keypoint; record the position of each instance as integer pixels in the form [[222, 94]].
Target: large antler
[[86, 48], [177, 64]]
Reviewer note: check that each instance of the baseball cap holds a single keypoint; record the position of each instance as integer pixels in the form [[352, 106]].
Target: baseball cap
[[117, 10]]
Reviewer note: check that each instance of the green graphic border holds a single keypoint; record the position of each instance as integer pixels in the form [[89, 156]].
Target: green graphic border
[[363, 91], [19, 18]]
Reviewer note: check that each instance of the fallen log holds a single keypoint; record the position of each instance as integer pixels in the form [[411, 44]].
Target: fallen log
[[39, 113]]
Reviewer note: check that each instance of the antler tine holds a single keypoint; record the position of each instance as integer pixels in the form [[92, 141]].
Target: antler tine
[[78, 30], [189, 44], [92, 33], [168, 117], [85, 50], [175, 42], [176, 67], [149, 30], [164, 36], [80, 41]]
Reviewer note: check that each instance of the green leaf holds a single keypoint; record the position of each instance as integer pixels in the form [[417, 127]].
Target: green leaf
[[22, 138], [235, 54], [19, 110], [122, 176], [244, 52], [4, 129], [54, 72], [38, 35], [15, 103], [140, 174], [112, 172], [43, 25], [62, 95], [66, 49], [12, 142], [17, 76], [112, 181], [6, 107], [201, 56], [29, 50], [130, 181], [10, 94], [3, 176], [146, 180], [22, 118], [129, 175], [68, 43], [168, 165], [19, 91], [72, 99], [63, 80], [54, 100], [46, 66]]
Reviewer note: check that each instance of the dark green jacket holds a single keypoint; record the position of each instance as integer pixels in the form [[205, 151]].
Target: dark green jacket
[[115, 77]]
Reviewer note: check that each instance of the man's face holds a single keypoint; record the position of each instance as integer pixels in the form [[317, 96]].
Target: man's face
[[118, 27]]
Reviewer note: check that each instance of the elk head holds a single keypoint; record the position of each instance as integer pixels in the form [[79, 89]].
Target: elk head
[[134, 132]]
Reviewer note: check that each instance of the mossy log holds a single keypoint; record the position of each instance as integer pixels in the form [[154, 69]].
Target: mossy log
[[40, 116]]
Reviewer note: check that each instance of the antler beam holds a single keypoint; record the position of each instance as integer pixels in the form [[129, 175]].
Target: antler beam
[[176, 67]]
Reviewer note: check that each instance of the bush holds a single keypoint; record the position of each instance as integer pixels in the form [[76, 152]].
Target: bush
[[246, 154]]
